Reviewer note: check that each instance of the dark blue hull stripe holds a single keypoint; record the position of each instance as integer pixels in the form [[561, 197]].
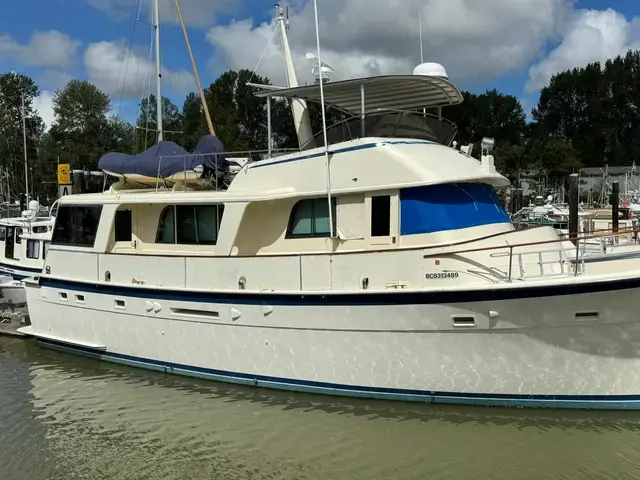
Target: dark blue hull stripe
[[396, 297], [496, 399], [19, 268]]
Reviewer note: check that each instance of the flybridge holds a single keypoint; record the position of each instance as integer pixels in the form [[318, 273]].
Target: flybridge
[[388, 92]]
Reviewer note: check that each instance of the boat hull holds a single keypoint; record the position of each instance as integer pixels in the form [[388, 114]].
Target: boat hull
[[575, 347]]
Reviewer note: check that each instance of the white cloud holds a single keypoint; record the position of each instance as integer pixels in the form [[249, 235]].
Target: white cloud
[[118, 71], [474, 40], [198, 13], [45, 49], [44, 106], [588, 36]]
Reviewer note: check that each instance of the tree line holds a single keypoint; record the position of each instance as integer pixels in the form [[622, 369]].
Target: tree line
[[585, 117]]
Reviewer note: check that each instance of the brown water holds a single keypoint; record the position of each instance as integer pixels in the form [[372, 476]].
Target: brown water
[[66, 417]]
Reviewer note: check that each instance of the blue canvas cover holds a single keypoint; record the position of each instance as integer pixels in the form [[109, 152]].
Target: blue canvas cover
[[166, 158], [437, 208]]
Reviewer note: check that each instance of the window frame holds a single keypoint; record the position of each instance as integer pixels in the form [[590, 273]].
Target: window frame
[[75, 232], [31, 241], [118, 213], [388, 212], [218, 206], [291, 235]]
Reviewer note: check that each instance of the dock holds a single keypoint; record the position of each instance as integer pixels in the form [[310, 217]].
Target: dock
[[12, 318]]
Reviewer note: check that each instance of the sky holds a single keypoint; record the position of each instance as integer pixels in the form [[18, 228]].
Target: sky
[[514, 46]]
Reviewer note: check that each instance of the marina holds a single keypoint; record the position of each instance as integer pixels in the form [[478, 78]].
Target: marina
[[360, 270]]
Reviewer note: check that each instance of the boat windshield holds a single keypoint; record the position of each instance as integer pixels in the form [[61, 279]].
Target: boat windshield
[[437, 208]]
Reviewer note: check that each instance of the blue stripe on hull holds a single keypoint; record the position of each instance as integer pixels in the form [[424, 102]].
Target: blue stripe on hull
[[19, 268], [345, 299], [611, 402]]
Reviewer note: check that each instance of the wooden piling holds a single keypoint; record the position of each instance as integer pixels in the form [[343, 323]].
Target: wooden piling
[[573, 207], [615, 202]]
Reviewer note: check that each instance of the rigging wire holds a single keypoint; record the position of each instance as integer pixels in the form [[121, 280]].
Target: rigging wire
[[253, 72], [126, 57]]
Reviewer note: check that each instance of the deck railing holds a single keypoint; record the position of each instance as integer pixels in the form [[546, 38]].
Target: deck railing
[[388, 124], [572, 258]]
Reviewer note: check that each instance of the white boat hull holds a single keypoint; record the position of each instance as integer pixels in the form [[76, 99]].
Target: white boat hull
[[541, 345]]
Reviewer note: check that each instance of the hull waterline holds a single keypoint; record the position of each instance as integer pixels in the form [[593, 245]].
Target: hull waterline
[[576, 348]]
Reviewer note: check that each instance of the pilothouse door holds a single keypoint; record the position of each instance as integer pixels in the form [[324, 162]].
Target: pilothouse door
[[9, 242]]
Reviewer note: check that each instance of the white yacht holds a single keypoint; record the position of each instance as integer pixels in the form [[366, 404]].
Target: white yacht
[[24, 242], [413, 285]]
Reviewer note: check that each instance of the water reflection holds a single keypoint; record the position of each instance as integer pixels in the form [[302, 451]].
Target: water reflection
[[79, 418]]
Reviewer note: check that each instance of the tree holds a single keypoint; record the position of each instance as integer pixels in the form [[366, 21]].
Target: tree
[[595, 109], [80, 131], [147, 122], [12, 86], [491, 114]]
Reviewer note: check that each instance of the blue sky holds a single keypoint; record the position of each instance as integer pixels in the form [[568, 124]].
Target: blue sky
[[516, 51]]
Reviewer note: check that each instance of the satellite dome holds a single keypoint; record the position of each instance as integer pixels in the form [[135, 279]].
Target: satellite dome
[[34, 206], [431, 70]]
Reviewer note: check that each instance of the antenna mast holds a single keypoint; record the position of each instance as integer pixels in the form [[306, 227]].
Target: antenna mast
[[24, 138], [156, 26], [420, 28], [324, 123], [298, 107]]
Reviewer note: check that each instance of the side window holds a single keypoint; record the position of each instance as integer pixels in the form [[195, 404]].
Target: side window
[[45, 249], [381, 216], [3, 233], [166, 226], [18, 235], [33, 248], [123, 226], [62, 230], [190, 224], [310, 218], [77, 225]]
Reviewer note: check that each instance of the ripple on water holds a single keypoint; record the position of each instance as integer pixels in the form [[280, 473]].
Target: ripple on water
[[68, 417]]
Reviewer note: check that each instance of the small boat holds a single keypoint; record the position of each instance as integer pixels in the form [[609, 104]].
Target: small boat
[[12, 291], [24, 242]]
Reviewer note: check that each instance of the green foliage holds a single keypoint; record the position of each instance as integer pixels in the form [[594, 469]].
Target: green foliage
[[147, 122], [596, 109], [585, 117]]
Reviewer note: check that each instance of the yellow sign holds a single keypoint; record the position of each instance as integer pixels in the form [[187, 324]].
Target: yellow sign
[[64, 174]]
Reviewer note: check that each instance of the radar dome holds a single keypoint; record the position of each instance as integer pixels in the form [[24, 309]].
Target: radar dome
[[34, 206], [431, 70]]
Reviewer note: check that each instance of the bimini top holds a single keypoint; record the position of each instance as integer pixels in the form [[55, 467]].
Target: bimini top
[[386, 92]]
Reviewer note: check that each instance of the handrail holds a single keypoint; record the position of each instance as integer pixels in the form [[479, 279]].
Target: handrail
[[353, 133], [576, 264], [621, 231]]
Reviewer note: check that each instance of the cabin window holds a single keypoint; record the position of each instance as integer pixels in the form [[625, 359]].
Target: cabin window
[[45, 249], [18, 235], [33, 248], [310, 218], [40, 229], [166, 227], [381, 216], [437, 208], [123, 226], [3, 233], [190, 224], [76, 225]]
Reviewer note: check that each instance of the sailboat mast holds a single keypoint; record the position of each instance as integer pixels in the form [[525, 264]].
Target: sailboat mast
[[24, 138], [156, 26]]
